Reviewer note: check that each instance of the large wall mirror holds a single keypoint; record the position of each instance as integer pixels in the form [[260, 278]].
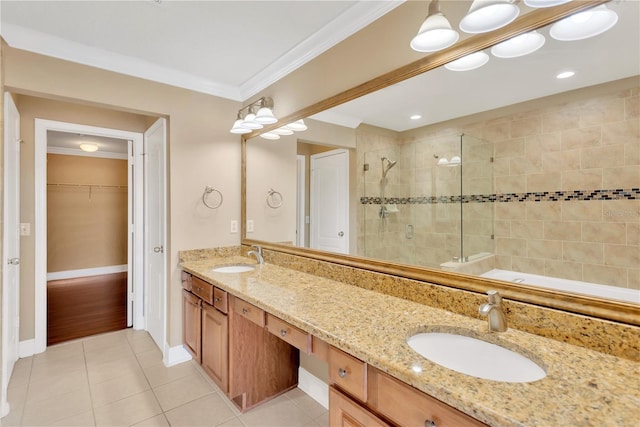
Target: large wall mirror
[[523, 180]]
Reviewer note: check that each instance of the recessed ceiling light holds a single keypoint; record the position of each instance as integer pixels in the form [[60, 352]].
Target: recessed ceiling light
[[565, 74], [89, 148], [415, 117]]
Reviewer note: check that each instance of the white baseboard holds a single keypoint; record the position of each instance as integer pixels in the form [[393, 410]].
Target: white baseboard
[[175, 355], [317, 389], [4, 409], [26, 348]]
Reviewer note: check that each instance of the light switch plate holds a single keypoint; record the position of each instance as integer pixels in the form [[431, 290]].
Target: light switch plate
[[249, 226], [25, 229], [234, 226]]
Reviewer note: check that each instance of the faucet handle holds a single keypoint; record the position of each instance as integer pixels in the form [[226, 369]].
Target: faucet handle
[[494, 297]]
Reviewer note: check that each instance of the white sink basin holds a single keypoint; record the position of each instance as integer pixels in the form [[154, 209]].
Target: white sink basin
[[239, 268], [475, 357]]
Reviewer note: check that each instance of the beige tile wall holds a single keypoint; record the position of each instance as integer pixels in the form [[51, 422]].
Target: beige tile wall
[[582, 140]]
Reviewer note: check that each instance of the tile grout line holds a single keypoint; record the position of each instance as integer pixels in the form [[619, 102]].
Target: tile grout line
[[86, 370]]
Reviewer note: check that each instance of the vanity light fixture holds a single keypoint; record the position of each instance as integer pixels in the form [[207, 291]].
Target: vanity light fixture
[[248, 120], [545, 3], [585, 24], [521, 45], [89, 148], [435, 33], [270, 135], [468, 62], [296, 126], [489, 15], [282, 131]]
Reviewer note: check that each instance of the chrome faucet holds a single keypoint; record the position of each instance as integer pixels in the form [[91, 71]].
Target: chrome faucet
[[257, 251], [494, 313]]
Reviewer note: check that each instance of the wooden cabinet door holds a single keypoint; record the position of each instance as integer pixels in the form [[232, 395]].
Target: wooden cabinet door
[[344, 412], [191, 324], [215, 348]]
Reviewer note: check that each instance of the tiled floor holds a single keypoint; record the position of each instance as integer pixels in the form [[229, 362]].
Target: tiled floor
[[118, 379]]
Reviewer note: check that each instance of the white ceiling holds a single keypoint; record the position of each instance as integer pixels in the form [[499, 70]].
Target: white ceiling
[[441, 95], [231, 49]]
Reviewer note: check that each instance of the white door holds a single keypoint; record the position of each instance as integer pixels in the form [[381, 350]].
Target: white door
[[155, 231], [11, 246], [330, 201]]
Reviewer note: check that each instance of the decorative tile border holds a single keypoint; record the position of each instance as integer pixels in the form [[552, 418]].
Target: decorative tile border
[[540, 196]]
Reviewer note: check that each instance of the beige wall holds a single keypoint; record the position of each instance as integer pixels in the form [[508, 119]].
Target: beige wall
[[201, 152], [87, 225]]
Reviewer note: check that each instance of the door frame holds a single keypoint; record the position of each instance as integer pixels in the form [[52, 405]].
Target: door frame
[[301, 190], [135, 269]]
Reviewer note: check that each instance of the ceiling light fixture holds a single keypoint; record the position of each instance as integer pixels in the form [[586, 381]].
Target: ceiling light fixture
[[416, 117], [468, 62], [521, 45], [565, 75], [435, 33], [585, 24], [489, 15], [248, 120], [89, 148]]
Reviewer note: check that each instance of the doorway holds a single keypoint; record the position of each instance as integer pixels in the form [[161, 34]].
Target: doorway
[[137, 260], [88, 201]]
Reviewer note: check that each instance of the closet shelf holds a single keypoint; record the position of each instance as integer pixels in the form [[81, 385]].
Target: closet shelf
[[85, 185]]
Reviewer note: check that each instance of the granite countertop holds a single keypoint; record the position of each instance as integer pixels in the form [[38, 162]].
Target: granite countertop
[[582, 387]]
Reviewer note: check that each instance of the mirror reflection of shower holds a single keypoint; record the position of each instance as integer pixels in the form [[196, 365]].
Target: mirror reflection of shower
[[384, 209], [390, 164], [443, 161]]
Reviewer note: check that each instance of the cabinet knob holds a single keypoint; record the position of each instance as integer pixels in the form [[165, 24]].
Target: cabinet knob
[[217, 299], [244, 311], [342, 372], [283, 332], [429, 423]]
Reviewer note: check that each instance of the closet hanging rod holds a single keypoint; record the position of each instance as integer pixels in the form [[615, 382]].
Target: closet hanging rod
[[86, 185]]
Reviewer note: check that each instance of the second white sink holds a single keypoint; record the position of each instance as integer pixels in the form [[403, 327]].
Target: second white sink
[[238, 268], [475, 357]]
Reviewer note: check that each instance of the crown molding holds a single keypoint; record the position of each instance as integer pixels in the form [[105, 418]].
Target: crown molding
[[353, 20], [33, 41]]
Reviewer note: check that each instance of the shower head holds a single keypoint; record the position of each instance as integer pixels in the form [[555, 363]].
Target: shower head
[[390, 164]]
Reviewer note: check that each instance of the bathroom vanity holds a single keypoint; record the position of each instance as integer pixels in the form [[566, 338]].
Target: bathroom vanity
[[265, 316]]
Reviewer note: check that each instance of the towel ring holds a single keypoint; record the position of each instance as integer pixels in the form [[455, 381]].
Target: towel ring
[[207, 191], [274, 199]]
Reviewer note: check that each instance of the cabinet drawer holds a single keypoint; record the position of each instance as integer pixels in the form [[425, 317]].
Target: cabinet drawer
[[407, 406], [249, 311], [203, 289], [345, 412], [348, 373], [187, 283], [220, 299], [289, 333]]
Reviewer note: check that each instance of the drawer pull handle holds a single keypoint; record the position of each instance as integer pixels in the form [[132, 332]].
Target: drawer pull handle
[[283, 332], [342, 373], [217, 299], [244, 311], [429, 423]]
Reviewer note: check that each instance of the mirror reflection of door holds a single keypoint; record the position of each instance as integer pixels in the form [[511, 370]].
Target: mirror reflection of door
[[330, 201]]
